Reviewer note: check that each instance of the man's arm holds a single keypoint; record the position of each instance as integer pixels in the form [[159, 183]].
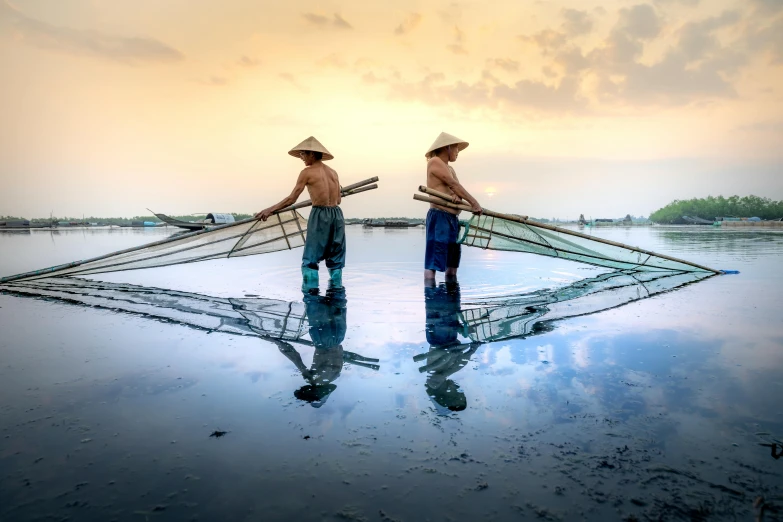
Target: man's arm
[[440, 170], [301, 183]]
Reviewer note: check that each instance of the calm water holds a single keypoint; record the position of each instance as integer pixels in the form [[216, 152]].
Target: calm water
[[524, 392]]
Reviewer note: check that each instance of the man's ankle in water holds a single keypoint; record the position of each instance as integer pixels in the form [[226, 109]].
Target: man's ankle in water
[[336, 278], [309, 278]]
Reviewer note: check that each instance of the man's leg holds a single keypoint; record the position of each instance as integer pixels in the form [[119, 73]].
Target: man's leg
[[433, 255], [335, 251], [314, 247], [452, 261]]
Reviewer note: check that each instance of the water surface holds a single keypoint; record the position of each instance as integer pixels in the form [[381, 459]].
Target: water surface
[[524, 391]]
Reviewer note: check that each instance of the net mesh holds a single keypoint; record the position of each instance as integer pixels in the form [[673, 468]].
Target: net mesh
[[481, 320], [495, 233], [310, 323], [282, 231], [518, 316], [257, 317]]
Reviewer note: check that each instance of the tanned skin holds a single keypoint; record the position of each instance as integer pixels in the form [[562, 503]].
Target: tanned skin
[[440, 178], [322, 184]]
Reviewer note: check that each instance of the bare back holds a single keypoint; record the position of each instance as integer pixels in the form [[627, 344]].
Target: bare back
[[436, 169], [323, 185]]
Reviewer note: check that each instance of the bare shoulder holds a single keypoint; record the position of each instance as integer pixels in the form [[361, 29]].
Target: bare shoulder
[[331, 170], [437, 167]]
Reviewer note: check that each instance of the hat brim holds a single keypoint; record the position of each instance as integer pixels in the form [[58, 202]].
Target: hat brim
[[461, 145], [295, 153]]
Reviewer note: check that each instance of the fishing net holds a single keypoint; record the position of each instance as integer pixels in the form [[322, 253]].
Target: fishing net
[[318, 321], [282, 231], [526, 314], [484, 231], [259, 317], [481, 320]]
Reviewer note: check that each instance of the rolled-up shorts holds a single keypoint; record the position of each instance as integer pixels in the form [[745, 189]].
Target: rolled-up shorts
[[442, 250], [325, 238]]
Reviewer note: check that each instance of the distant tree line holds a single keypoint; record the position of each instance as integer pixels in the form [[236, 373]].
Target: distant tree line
[[116, 220], [716, 207]]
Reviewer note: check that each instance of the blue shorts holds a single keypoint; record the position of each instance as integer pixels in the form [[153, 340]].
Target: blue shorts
[[442, 250]]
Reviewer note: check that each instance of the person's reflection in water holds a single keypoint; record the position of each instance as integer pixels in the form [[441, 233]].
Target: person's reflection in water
[[326, 317], [446, 355]]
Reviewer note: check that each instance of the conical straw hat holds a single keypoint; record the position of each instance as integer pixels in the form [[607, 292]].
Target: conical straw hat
[[444, 140], [311, 144]]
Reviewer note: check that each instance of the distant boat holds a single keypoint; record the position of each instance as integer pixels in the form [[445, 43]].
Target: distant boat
[[24, 223], [388, 223], [689, 220], [212, 219]]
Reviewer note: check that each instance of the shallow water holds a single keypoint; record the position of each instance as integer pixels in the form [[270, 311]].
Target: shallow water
[[516, 394]]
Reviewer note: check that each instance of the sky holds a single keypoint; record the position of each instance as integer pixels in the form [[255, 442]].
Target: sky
[[110, 107]]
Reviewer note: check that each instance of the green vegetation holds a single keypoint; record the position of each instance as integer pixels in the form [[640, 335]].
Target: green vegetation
[[712, 207]]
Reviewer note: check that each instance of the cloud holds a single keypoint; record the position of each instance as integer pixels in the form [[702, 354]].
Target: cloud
[[126, 50], [334, 60], [323, 21], [768, 6], [673, 81], [618, 49], [506, 64], [572, 60], [290, 78], [433, 89], [764, 126], [695, 69], [459, 36], [639, 21], [696, 38], [459, 39], [576, 22], [410, 23], [547, 40], [543, 97], [215, 81], [689, 3], [768, 39], [452, 14], [246, 61], [315, 19], [340, 22]]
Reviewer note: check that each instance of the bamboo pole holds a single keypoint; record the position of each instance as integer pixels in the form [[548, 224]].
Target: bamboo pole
[[361, 186], [445, 200]]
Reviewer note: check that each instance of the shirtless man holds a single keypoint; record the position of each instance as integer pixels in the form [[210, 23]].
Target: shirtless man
[[443, 253], [325, 226]]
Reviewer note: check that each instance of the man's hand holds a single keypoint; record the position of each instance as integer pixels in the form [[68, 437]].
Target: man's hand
[[456, 199], [264, 214], [476, 208]]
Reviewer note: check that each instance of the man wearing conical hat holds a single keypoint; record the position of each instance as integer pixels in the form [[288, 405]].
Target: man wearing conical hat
[[442, 252], [325, 226]]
